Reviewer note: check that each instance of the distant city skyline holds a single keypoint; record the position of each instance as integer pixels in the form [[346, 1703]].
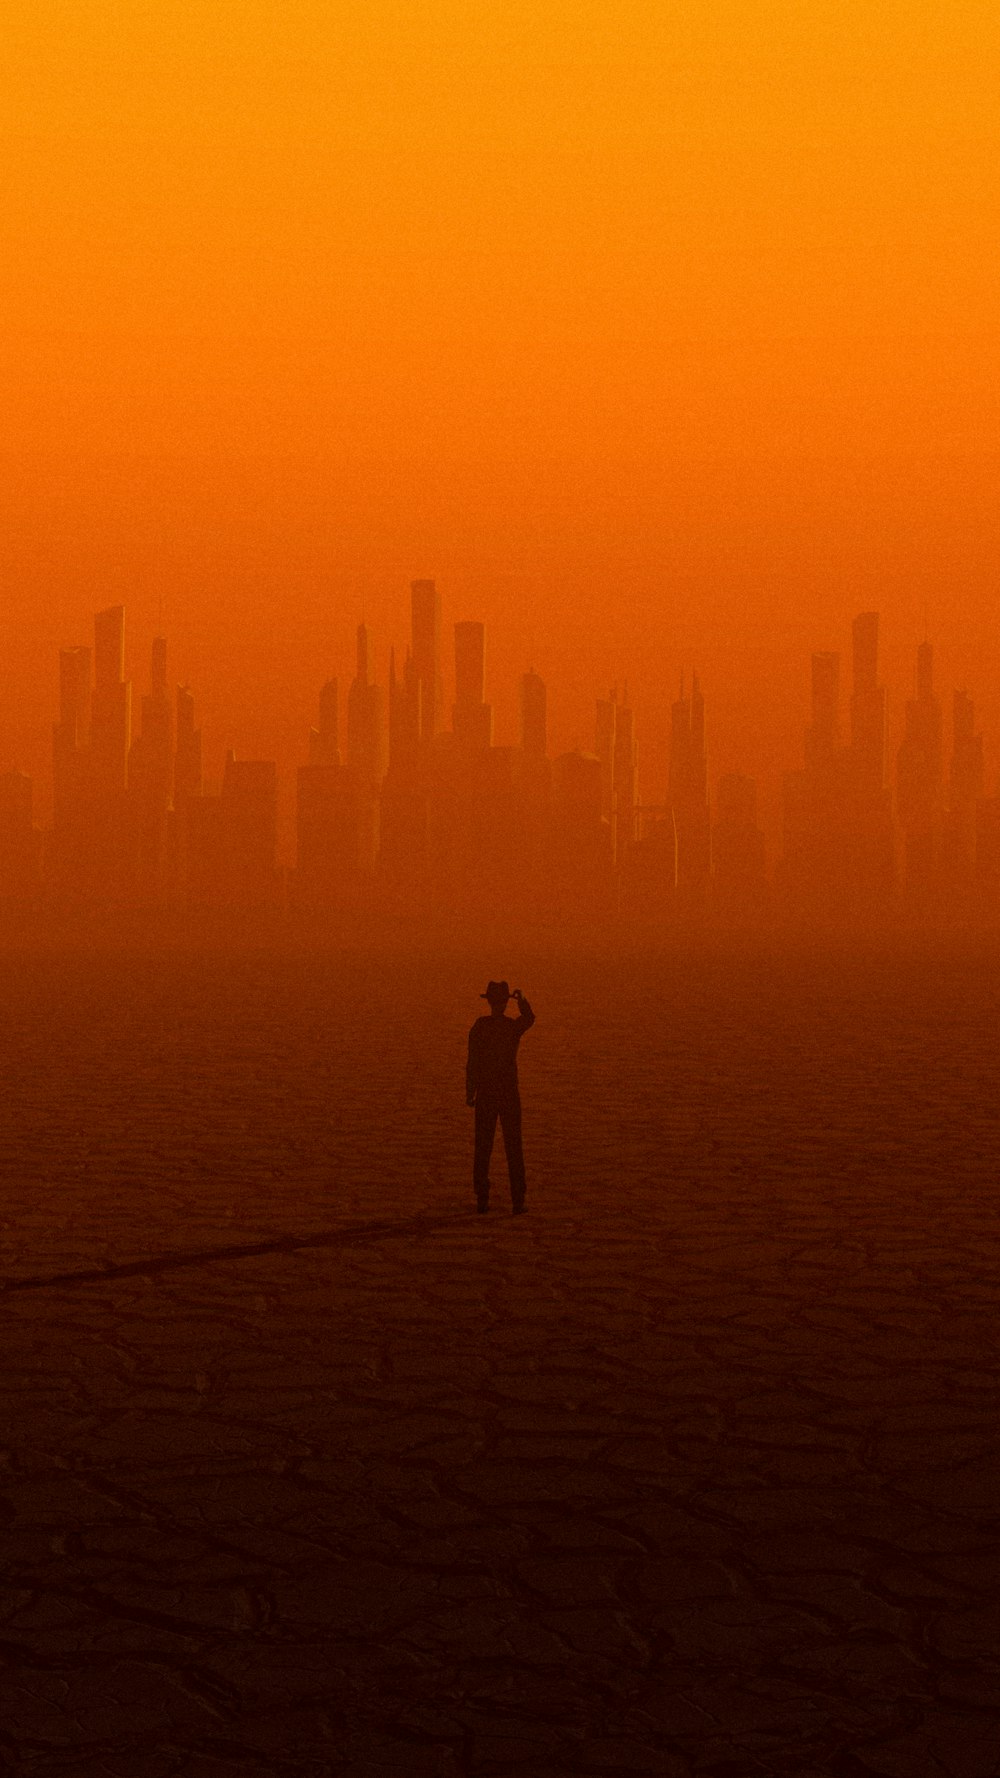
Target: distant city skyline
[[258, 696], [662, 347], [402, 792]]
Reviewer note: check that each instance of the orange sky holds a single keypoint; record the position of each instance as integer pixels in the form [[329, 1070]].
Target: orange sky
[[660, 334]]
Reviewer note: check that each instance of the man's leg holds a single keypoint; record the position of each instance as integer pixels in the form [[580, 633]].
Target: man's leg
[[510, 1123], [486, 1124]]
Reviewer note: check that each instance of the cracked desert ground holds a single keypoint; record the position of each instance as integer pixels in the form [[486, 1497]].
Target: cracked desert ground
[[308, 1470]]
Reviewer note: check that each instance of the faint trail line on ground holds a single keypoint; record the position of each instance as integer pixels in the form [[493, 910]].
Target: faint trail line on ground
[[206, 1256]]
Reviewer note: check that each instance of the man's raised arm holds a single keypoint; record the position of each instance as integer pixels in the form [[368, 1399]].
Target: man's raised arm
[[526, 1017]]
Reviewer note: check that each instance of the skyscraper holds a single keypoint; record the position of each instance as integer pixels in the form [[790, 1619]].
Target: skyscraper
[[367, 754], [919, 773], [324, 740], [687, 790], [404, 714], [534, 716], [111, 708], [425, 609], [615, 747], [74, 696], [403, 801], [187, 759], [151, 756], [337, 805], [150, 786], [367, 728], [838, 843], [472, 717], [91, 845]]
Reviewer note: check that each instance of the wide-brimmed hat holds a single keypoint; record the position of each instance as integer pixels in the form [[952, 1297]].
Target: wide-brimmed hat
[[496, 991]]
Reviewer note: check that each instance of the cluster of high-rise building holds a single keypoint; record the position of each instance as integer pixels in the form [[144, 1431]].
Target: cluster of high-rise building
[[407, 805], [856, 838]]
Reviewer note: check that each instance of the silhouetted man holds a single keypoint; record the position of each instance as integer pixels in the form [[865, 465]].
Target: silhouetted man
[[491, 1086]]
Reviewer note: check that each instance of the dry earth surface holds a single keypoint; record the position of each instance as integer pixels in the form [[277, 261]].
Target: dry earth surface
[[308, 1470]]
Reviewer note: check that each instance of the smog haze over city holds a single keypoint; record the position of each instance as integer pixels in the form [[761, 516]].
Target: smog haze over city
[[663, 348], [499, 890]]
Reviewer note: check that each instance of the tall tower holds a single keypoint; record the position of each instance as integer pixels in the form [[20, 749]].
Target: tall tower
[[187, 759], [838, 840], [151, 756], [74, 695], [324, 748], [111, 708], [688, 770], [151, 783], [614, 744], [472, 717], [919, 761], [534, 716], [425, 608], [404, 714], [367, 734]]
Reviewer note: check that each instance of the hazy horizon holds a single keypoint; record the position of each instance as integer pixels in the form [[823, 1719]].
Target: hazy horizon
[[270, 715], [662, 342]]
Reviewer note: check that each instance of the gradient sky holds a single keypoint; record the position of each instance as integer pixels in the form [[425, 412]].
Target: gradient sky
[[661, 334]]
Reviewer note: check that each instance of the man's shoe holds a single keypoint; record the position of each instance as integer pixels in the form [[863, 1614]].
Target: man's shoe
[[482, 1205], [518, 1208]]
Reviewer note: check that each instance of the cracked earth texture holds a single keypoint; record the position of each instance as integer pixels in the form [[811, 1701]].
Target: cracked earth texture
[[306, 1469]]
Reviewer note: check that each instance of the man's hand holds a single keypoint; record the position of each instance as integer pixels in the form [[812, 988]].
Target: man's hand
[[471, 1101], [517, 995]]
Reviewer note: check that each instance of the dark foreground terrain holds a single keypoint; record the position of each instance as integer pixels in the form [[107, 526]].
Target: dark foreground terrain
[[694, 1469]]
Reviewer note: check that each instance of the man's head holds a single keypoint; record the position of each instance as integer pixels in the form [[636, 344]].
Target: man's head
[[498, 994]]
